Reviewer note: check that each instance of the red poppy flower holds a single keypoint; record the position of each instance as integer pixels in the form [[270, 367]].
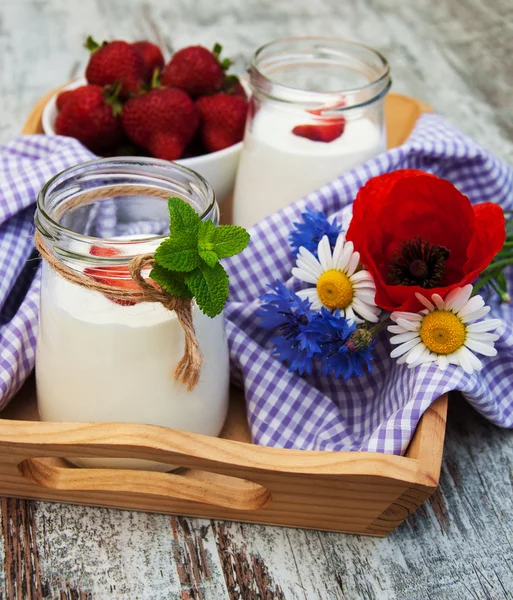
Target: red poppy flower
[[415, 231]]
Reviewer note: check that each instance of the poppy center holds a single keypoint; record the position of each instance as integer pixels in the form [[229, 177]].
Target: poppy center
[[418, 262], [334, 289], [442, 332]]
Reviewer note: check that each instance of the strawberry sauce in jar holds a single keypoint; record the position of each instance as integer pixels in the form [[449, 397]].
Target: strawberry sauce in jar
[[106, 359], [316, 112]]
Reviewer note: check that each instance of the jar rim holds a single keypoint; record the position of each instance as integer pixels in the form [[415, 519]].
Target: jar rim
[[376, 88], [44, 221]]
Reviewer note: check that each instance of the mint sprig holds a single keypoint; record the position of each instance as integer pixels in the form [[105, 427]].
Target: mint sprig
[[172, 283], [187, 262], [209, 286]]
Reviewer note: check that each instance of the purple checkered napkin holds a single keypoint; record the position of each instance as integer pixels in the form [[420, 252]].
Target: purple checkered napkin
[[26, 164], [378, 411]]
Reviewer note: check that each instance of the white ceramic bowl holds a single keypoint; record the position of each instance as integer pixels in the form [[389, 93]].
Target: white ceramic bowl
[[218, 168]]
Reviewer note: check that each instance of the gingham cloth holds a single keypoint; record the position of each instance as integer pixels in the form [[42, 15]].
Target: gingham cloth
[[26, 163], [377, 412]]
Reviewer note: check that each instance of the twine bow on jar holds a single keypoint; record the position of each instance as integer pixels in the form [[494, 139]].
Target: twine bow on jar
[[188, 369]]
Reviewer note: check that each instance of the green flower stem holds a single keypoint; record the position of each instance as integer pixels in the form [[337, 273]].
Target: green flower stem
[[501, 280], [499, 264], [508, 253], [484, 280], [381, 325], [504, 296]]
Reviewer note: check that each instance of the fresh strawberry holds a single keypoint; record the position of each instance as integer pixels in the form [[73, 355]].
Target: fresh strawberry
[[90, 116], [115, 276], [223, 118], [62, 98], [195, 70], [162, 121], [152, 56], [102, 251], [321, 132], [232, 85], [116, 62], [168, 146]]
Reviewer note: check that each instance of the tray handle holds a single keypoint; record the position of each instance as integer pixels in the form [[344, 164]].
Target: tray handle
[[226, 492]]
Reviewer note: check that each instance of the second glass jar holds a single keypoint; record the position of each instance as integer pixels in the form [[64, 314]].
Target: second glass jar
[[316, 111]]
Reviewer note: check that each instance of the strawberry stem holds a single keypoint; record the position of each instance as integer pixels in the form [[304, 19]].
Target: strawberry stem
[[230, 84], [155, 79], [217, 49], [226, 62], [91, 44], [111, 95]]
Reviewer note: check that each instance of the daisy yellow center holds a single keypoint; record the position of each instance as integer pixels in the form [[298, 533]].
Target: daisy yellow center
[[334, 289], [442, 332]]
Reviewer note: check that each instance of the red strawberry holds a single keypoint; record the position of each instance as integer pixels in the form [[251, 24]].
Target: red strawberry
[[195, 70], [162, 121], [152, 56], [223, 118], [168, 146], [90, 117], [63, 97], [115, 276], [232, 85], [321, 132], [102, 251], [116, 62]]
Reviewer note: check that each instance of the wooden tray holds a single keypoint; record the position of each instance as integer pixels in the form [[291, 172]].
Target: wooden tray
[[228, 477]]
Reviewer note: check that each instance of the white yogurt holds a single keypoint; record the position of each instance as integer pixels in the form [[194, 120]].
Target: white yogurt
[[99, 361], [278, 167]]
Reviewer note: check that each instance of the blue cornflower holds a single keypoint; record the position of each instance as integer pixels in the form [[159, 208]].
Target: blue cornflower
[[286, 313], [346, 347], [309, 233]]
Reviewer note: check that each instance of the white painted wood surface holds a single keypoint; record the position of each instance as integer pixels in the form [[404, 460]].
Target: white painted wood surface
[[458, 57]]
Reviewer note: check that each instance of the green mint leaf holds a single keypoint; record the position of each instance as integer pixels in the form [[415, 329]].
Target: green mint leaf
[[228, 240], [183, 217], [205, 234], [178, 253], [209, 257], [172, 283], [209, 285]]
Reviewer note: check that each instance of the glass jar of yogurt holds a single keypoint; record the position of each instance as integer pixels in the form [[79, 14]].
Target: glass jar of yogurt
[[317, 111], [101, 359]]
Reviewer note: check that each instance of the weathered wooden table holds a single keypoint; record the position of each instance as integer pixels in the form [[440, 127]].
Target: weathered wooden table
[[455, 55]]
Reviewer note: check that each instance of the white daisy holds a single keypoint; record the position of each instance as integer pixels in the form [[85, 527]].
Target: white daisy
[[447, 332], [338, 285]]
